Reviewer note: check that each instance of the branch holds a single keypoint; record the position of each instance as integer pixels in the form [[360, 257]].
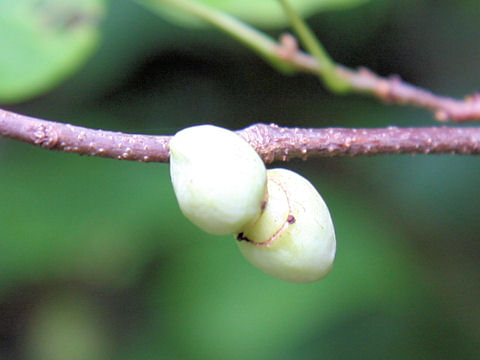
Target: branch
[[84, 141], [390, 90], [273, 143], [340, 79]]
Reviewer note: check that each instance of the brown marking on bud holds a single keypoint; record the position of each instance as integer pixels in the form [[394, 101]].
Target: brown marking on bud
[[288, 221], [241, 237]]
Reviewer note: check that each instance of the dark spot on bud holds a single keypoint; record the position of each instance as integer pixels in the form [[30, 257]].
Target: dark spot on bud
[[240, 237], [291, 219], [264, 204]]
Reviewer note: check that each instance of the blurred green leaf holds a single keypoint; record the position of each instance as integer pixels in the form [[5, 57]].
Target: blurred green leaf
[[44, 41], [65, 326], [266, 13]]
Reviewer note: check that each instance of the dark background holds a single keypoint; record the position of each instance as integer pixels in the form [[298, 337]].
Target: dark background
[[97, 262]]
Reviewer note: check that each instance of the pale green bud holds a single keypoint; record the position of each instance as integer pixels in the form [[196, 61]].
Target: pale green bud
[[294, 238], [218, 178]]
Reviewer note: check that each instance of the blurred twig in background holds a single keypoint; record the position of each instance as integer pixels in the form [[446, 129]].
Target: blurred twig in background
[[286, 57]]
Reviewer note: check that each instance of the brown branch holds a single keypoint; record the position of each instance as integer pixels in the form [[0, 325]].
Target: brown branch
[[278, 143], [272, 142], [390, 90], [69, 138]]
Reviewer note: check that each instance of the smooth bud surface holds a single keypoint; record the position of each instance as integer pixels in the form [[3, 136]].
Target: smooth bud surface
[[294, 238], [218, 178]]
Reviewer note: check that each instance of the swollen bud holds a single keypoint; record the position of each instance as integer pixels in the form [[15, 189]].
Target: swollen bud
[[294, 238], [218, 178]]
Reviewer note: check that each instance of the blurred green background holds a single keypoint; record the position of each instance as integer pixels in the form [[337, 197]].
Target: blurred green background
[[96, 260]]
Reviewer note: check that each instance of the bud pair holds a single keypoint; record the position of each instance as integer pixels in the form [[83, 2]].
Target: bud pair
[[280, 221]]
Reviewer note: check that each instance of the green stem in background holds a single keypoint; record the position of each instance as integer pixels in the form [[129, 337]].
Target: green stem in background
[[327, 67], [259, 42]]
